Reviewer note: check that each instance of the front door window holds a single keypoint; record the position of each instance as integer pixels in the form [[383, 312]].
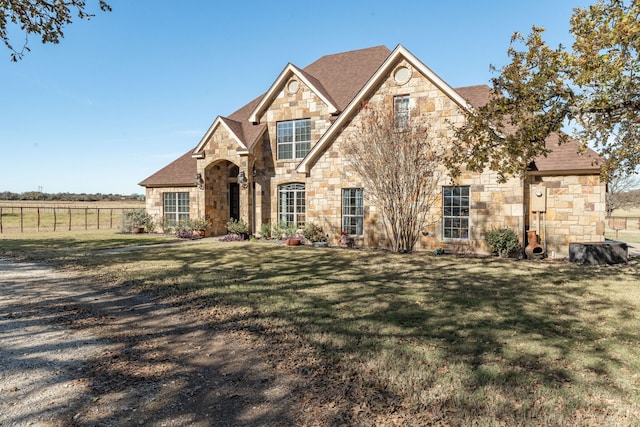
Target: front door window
[[234, 201]]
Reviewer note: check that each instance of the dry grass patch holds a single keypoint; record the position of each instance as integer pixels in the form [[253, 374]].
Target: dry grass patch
[[412, 339]]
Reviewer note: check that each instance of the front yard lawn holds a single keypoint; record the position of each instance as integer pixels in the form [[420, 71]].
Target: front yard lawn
[[413, 339]]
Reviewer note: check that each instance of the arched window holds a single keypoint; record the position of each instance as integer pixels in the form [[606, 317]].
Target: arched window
[[291, 205]]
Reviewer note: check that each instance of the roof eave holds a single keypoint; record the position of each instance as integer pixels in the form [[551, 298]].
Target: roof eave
[[399, 51], [288, 71], [564, 172], [219, 121], [141, 184]]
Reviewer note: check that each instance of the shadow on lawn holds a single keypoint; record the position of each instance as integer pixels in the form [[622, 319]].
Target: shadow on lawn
[[140, 360], [516, 328]]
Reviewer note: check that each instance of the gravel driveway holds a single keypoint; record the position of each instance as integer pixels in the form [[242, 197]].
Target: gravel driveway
[[76, 352]]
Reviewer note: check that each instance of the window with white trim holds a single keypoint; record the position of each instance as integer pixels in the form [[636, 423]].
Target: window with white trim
[[291, 205], [401, 111], [455, 212], [176, 206], [293, 139], [352, 211]]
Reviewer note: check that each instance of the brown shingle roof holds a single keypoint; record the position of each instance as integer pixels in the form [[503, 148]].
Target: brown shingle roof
[[342, 75], [179, 173], [477, 95], [566, 157], [563, 158], [248, 132]]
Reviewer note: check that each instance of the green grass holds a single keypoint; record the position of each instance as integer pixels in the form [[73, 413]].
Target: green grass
[[628, 236], [64, 218], [425, 339]]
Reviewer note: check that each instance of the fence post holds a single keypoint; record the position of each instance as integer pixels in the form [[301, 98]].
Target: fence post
[[21, 220], [110, 218], [69, 219], [0, 220], [55, 219], [86, 213], [38, 229], [98, 214]]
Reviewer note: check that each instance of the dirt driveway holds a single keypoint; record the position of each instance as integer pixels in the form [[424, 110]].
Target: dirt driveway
[[75, 352]]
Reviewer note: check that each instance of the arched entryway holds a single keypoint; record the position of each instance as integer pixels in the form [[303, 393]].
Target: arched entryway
[[222, 195]]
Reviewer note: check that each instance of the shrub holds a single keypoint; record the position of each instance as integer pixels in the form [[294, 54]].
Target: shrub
[[199, 224], [137, 218], [168, 225], [313, 233], [503, 241], [284, 230], [237, 227], [265, 231], [231, 238]]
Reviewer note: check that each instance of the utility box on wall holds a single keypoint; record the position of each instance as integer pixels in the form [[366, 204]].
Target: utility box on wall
[[538, 200]]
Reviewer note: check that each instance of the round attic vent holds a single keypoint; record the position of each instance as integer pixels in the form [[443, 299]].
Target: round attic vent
[[293, 86], [402, 75]]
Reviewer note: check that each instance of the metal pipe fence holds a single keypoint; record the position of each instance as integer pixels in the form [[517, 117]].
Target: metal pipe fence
[[21, 219], [618, 224]]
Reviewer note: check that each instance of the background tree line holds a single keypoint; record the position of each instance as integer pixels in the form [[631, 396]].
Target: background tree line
[[68, 197]]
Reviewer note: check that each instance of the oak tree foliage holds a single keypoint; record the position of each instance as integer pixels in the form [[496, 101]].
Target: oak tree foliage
[[593, 87], [45, 19], [400, 164]]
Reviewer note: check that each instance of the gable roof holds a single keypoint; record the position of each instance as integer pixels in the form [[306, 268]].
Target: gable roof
[[343, 80], [344, 74], [381, 73], [334, 78], [241, 130], [289, 71], [179, 173]]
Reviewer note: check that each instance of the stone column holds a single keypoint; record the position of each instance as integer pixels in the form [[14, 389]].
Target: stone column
[[246, 193]]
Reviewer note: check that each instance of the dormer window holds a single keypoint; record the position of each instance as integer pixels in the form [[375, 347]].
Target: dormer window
[[293, 139], [401, 111]]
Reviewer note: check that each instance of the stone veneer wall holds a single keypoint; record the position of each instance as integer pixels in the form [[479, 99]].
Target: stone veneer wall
[[575, 211], [155, 201], [492, 204], [300, 104], [221, 155]]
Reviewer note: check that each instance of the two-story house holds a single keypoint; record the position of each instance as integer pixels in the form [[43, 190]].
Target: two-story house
[[279, 159]]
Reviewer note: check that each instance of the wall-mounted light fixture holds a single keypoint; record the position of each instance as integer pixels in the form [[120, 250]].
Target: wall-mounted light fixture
[[242, 179], [199, 181]]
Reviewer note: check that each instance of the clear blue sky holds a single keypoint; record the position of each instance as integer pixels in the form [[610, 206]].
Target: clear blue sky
[[129, 91]]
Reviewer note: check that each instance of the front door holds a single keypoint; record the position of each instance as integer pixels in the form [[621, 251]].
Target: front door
[[234, 201]]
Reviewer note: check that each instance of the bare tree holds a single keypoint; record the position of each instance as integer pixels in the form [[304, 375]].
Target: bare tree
[[619, 192], [399, 161]]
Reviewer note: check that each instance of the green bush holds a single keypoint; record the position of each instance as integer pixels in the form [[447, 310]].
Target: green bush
[[137, 218], [313, 233], [283, 230], [200, 224], [265, 231], [168, 225], [237, 227], [503, 241]]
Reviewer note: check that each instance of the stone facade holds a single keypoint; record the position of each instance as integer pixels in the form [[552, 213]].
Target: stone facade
[[575, 211], [574, 208], [154, 204]]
